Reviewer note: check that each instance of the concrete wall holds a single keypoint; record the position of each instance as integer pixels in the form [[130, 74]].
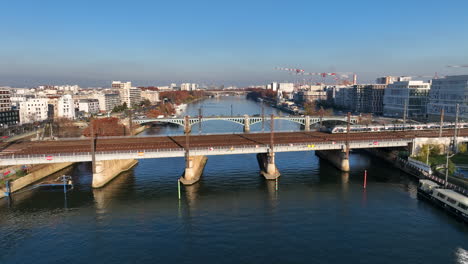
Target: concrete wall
[[35, 176], [109, 169]]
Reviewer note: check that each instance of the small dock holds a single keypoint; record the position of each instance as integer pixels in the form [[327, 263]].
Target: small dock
[[61, 183]]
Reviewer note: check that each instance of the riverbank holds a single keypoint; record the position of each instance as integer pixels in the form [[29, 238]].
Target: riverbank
[[35, 176], [405, 166]]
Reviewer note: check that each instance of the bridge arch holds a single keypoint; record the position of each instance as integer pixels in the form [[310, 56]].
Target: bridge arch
[[194, 121], [156, 120], [241, 120]]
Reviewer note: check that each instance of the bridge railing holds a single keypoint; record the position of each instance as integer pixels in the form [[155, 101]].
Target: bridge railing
[[175, 135], [306, 145]]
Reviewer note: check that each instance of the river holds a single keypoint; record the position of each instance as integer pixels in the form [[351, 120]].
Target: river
[[318, 215]]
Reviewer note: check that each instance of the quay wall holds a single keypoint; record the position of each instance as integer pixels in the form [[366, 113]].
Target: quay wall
[[35, 176]]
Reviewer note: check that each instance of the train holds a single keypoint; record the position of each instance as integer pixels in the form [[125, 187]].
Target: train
[[393, 127]]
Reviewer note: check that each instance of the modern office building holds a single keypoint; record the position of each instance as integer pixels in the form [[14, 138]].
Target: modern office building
[[412, 94], [446, 93], [368, 98], [391, 79], [8, 118]]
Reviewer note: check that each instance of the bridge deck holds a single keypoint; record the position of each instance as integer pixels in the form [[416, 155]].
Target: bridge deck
[[201, 141]]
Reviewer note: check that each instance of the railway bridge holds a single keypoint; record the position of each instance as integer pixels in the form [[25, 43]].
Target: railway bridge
[[112, 155], [246, 121]]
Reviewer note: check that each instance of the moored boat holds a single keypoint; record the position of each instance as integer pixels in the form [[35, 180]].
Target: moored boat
[[61, 183], [449, 200]]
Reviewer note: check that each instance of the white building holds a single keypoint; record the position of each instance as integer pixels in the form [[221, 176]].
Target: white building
[[286, 87], [130, 96], [152, 96], [413, 94], [164, 88], [121, 85], [274, 86], [107, 101], [392, 79], [446, 93], [66, 107], [32, 110], [188, 86], [89, 105]]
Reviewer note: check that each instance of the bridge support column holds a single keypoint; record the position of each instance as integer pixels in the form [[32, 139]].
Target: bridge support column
[[266, 162], [246, 124], [307, 123], [187, 126], [106, 170], [339, 158], [193, 169]]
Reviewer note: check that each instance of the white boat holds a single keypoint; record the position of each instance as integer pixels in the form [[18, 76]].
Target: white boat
[[449, 200]]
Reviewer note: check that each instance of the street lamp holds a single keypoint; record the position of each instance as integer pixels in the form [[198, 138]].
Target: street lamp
[[446, 166]]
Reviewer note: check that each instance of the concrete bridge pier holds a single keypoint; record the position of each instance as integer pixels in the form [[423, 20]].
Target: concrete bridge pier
[[106, 170], [338, 158], [246, 124], [266, 162], [194, 167], [307, 123], [187, 126]]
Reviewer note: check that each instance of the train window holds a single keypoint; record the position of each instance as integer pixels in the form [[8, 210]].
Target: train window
[[450, 200], [441, 195], [463, 206]]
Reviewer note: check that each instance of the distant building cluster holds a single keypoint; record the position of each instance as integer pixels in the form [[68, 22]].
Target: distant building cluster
[[48, 102], [389, 96]]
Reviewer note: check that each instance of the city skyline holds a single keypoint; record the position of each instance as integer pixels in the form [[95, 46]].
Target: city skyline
[[236, 43]]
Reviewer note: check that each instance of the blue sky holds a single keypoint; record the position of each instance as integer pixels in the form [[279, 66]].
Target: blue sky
[[231, 42]]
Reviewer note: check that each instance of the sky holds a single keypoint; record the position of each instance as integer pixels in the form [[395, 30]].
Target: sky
[[91, 42]]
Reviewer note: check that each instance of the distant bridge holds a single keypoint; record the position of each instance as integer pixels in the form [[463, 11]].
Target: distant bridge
[[246, 121]]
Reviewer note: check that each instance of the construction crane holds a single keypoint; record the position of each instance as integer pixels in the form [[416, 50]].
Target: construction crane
[[291, 70], [337, 76], [435, 76]]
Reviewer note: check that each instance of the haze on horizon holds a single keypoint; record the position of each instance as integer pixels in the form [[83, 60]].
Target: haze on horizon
[[226, 42]]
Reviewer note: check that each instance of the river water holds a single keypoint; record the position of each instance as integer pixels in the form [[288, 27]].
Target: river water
[[318, 214]]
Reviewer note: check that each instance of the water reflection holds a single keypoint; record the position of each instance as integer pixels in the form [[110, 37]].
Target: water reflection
[[344, 182], [191, 194], [121, 186]]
